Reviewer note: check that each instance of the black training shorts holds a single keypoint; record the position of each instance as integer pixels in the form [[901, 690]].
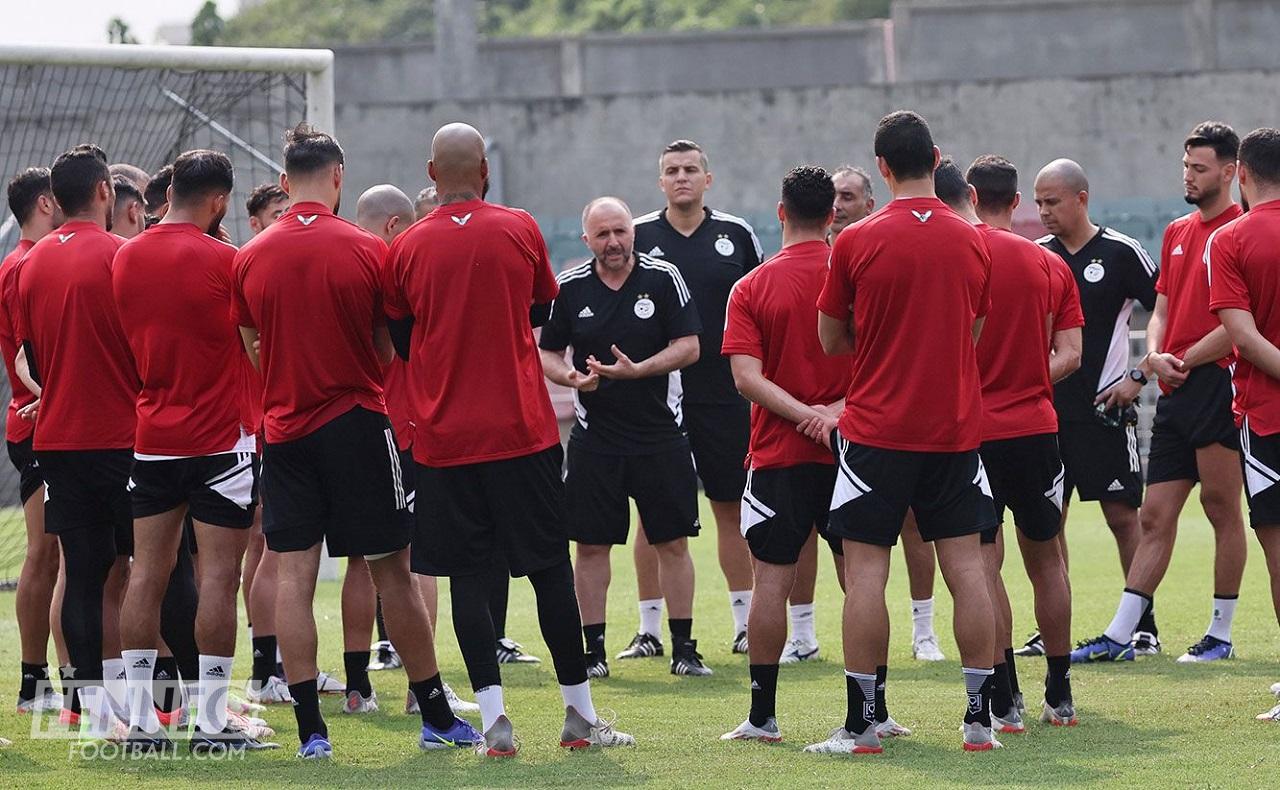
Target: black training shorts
[[719, 434], [1194, 415], [781, 508], [341, 484], [1101, 462], [1260, 458], [30, 478], [472, 516], [1026, 476], [221, 490], [948, 492], [88, 489], [598, 485]]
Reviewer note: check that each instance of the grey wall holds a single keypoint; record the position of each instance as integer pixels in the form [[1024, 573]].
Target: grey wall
[[575, 118]]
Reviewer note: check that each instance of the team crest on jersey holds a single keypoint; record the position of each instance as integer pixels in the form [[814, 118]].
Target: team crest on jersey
[[463, 220], [307, 220], [63, 238], [923, 217], [644, 307], [1094, 271], [724, 245]]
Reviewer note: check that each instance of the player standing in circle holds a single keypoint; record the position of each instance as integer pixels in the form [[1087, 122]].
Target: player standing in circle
[[632, 325], [1243, 260], [1097, 433], [779, 365], [76, 353], [712, 250], [195, 450], [309, 288], [39, 595], [486, 443], [1020, 445], [1193, 438], [909, 434]]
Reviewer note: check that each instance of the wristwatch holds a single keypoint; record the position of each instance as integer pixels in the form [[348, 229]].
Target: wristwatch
[[1136, 375]]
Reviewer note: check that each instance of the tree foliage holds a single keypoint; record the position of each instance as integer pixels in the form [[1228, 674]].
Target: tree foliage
[[207, 27], [307, 23]]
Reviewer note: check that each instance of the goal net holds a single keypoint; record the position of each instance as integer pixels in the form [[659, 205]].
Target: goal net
[[143, 106]]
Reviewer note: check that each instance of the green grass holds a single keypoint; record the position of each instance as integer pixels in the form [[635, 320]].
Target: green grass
[[1154, 723]]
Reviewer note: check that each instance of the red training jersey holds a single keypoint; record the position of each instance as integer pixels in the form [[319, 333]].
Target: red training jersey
[[1184, 282], [1013, 351], [66, 309], [172, 286], [1243, 265], [311, 285], [771, 317], [16, 429], [468, 274], [914, 276]]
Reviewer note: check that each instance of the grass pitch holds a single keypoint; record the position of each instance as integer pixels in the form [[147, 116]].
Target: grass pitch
[[1150, 724]]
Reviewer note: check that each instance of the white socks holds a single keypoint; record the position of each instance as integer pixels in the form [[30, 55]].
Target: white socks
[[651, 617], [1132, 606], [578, 697], [113, 680], [211, 697], [489, 699], [802, 623], [139, 670], [1224, 611], [921, 618], [740, 607]]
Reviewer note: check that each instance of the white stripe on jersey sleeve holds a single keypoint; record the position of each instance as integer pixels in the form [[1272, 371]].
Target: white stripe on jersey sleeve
[[724, 217], [574, 272], [1208, 245], [650, 217], [1115, 235], [682, 290], [1045, 239]]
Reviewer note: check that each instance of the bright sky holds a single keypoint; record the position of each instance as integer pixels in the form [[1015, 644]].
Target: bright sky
[[85, 21]]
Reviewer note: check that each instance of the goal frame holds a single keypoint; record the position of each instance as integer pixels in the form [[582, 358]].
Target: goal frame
[[317, 64]]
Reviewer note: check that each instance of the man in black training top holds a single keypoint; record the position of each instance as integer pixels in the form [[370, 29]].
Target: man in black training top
[[712, 250], [632, 325]]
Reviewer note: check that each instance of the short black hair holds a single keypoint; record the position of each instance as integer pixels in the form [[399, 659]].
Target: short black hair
[[76, 174], [807, 195], [996, 181], [1216, 135], [25, 189], [262, 196], [201, 172], [126, 190], [307, 150], [1260, 152], [680, 147], [904, 142], [949, 184], [157, 193]]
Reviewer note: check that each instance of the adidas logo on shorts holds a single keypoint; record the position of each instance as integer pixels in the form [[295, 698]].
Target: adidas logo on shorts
[[1116, 485]]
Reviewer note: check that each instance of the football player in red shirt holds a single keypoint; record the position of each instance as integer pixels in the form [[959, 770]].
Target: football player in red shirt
[[65, 319], [1244, 290], [486, 446], [39, 597], [310, 289], [1193, 438], [909, 433]]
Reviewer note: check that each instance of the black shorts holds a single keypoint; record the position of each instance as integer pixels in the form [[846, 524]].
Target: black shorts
[[341, 484], [597, 486], [718, 435], [1026, 476], [1101, 462], [30, 478], [948, 492], [221, 490], [781, 508], [1195, 415], [1260, 459], [473, 516], [88, 489]]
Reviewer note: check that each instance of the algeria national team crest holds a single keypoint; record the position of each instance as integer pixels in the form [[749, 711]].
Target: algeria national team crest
[[724, 246], [1094, 271], [644, 307]]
